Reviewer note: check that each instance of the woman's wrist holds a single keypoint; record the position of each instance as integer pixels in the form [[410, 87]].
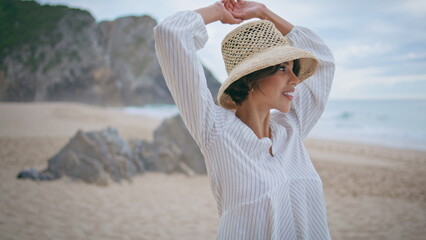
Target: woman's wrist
[[281, 24], [267, 14], [210, 13], [264, 12]]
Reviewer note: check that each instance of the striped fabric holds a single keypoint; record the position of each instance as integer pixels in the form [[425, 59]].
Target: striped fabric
[[258, 195]]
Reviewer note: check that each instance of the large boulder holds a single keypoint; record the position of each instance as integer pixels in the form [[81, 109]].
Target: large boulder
[[177, 150], [94, 157], [145, 152]]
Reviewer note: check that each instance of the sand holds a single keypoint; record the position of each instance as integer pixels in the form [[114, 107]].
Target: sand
[[372, 192]]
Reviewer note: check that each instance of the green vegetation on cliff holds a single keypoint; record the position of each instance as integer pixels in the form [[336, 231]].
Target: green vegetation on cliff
[[27, 23]]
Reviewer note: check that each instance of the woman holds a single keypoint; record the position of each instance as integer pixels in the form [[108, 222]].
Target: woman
[[261, 176]]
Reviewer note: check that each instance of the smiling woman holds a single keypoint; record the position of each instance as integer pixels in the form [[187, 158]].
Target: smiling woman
[[262, 178], [239, 90]]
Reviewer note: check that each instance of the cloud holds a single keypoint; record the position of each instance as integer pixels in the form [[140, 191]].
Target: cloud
[[376, 82], [302, 12], [356, 52], [411, 56], [181, 5], [382, 27], [415, 8], [349, 78]]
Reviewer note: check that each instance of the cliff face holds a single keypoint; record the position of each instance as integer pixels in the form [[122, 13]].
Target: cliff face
[[55, 53]]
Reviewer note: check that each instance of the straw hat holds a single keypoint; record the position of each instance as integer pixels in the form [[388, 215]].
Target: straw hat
[[257, 45]]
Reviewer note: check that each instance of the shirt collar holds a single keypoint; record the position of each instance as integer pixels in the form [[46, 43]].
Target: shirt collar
[[253, 146]]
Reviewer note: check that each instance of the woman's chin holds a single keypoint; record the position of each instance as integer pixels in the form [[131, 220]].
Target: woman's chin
[[284, 109]]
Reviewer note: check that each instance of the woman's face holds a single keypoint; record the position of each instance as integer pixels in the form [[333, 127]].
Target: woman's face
[[277, 91]]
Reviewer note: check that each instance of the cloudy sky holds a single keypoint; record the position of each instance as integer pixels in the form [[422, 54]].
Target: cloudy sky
[[379, 45]]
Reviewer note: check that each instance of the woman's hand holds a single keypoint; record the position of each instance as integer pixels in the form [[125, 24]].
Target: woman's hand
[[236, 11], [227, 17], [245, 10], [217, 11]]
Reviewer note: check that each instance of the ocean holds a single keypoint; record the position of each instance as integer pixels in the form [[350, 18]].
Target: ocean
[[394, 123]]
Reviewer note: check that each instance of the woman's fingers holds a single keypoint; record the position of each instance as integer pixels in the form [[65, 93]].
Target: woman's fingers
[[228, 5], [239, 9], [227, 16]]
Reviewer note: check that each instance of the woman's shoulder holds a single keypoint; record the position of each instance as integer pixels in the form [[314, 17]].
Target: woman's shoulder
[[287, 120], [224, 119], [224, 116]]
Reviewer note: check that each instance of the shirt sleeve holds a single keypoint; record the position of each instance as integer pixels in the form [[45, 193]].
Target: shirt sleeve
[[177, 40], [312, 93]]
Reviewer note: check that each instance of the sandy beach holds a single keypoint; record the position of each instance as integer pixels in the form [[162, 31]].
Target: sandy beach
[[372, 192]]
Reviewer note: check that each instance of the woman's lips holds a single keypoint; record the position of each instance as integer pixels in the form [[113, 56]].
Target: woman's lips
[[289, 95]]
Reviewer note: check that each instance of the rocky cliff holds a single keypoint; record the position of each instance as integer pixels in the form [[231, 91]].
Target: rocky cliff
[[55, 53]]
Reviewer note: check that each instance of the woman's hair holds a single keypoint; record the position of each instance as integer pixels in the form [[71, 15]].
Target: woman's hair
[[238, 90]]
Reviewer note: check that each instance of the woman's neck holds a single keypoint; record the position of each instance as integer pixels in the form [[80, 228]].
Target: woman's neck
[[256, 118]]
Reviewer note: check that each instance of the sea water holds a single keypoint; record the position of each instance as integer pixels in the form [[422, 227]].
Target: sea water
[[399, 123], [396, 123], [159, 111]]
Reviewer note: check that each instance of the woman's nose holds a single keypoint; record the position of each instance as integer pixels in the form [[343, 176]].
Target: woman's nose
[[294, 80]]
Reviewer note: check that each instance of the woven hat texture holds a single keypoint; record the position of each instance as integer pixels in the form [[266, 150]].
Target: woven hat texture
[[257, 45]]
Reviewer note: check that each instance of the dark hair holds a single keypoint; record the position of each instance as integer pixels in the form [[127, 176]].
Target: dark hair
[[238, 90]]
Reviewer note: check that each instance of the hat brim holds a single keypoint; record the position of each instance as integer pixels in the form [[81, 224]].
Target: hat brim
[[270, 57]]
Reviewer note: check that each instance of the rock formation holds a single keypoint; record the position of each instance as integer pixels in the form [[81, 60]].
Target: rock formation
[[173, 139], [93, 157], [100, 156], [55, 53]]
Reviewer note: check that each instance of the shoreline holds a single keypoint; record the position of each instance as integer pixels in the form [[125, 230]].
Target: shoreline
[[382, 146]]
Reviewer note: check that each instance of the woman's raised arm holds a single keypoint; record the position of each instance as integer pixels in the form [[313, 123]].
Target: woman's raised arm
[[177, 40]]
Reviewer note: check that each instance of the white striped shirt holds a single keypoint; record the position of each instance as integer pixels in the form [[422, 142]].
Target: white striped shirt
[[258, 196]]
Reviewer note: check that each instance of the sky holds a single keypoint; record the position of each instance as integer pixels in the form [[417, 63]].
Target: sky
[[379, 45]]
